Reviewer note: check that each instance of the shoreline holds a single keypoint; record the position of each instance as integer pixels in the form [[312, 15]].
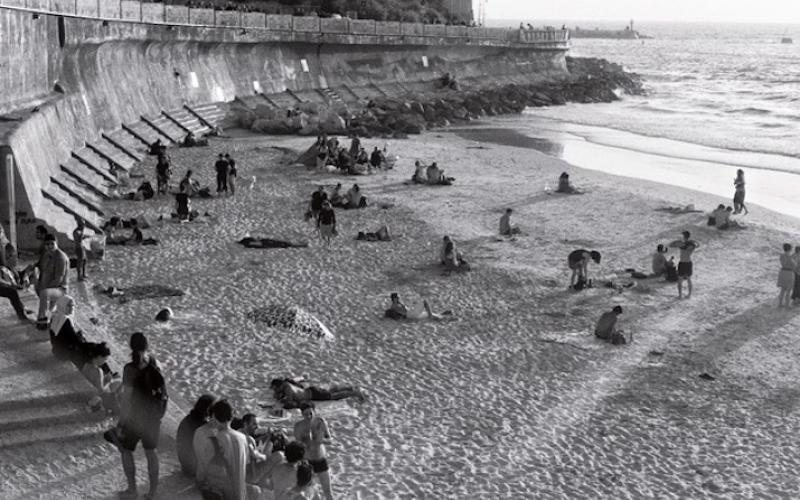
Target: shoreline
[[649, 160], [514, 398]]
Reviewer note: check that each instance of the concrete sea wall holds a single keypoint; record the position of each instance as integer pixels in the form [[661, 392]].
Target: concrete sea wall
[[67, 80]]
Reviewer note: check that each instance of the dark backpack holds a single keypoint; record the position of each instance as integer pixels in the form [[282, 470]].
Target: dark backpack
[[617, 339], [217, 482], [671, 272], [155, 388]]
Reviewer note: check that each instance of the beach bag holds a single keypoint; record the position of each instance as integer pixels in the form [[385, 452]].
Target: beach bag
[[671, 272], [618, 339], [712, 221], [580, 285], [154, 385], [217, 482]]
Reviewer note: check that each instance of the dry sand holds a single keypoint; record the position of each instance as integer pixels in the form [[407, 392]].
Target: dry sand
[[514, 398]]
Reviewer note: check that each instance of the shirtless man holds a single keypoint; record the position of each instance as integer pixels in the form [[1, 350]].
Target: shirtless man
[[398, 310], [686, 248], [293, 394], [578, 262], [312, 432]]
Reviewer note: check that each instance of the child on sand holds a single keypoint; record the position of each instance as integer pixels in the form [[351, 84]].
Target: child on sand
[[786, 276], [686, 248], [506, 229]]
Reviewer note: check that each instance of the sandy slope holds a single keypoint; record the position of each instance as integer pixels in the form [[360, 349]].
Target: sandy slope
[[513, 399]]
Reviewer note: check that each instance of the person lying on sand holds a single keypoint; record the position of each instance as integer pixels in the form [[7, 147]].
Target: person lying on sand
[[398, 310], [578, 262], [606, 328], [382, 234], [506, 229], [564, 186], [688, 209], [249, 242], [291, 393]]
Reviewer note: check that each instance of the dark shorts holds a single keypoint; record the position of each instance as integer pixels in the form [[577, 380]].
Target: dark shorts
[[317, 394], [575, 266], [685, 269], [146, 432], [319, 466], [738, 197]]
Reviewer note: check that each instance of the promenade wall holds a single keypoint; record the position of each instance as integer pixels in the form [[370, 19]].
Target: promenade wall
[[87, 75]]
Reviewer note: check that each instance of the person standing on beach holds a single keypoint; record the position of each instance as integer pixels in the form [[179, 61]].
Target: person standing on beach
[[686, 248], [221, 167], [144, 402], [312, 432], [317, 197], [53, 279], [231, 183], [326, 223], [786, 276], [217, 437], [78, 235], [738, 195]]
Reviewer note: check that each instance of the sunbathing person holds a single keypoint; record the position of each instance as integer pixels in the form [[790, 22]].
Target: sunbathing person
[[355, 199], [578, 262], [382, 234], [292, 393], [506, 229], [249, 242], [724, 220], [398, 310], [564, 186]]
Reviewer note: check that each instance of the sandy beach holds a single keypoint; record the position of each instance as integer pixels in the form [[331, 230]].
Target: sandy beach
[[514, 398]]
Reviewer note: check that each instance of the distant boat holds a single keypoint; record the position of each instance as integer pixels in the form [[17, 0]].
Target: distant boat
[[786, 40]]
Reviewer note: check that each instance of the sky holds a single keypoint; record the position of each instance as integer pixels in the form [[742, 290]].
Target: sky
[[748, 11]]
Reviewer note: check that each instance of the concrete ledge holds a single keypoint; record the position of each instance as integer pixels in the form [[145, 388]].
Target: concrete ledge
[[63, 6], [176, 14], [87, 8], [201, 16], [153, 12], [254, 20], [130, 10]]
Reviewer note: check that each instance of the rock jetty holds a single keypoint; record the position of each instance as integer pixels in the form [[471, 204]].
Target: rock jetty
[[590, 80]]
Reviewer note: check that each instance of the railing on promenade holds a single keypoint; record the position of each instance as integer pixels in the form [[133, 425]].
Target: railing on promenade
[[160, 13]]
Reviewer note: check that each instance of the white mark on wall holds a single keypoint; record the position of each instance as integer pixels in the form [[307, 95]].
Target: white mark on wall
[[86, 103], [193, 81], [424, 61], [257, 86], [218, 95], [304, 65]]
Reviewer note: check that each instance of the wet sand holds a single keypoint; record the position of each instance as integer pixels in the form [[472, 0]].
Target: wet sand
[[514, 398]]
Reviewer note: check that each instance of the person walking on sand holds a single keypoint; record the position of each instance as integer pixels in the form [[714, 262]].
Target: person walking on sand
[[143, 404], [312, 431], [686, 247], [53, 280], [786, 276], [578, 262], [326, 223], [231, 174], [221, 166], [738, 195]]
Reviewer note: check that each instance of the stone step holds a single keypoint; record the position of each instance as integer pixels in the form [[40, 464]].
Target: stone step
[[43, 403], [165, 127], [91, 428], [330, 95], [96, 163], [73, 207], [211, 114], [80, 193], [143, 133], [346, 94], [107, 151], [187, 121], [366, 93], [283, 100], [66, 411], [125, 143], [87, 177], [310, 96]]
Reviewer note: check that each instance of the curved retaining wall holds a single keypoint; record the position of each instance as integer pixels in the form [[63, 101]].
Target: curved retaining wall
[[113, 73]]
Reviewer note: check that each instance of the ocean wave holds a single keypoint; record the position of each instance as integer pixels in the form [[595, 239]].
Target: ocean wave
[[771, 125], [749, 111]]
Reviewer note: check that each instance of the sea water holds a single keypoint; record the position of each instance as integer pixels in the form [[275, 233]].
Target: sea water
[[719, 97]]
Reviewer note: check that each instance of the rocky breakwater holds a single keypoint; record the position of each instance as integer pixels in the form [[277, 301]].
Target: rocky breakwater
[[589, 80]]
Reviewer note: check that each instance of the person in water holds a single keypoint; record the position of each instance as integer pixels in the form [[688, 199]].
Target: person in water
[[578, 262], [686, 247], [738, 195]]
